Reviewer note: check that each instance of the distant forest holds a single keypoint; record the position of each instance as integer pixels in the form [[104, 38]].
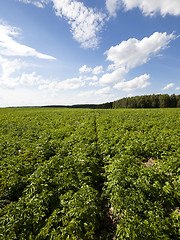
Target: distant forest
[[146, 101], [149, 101]]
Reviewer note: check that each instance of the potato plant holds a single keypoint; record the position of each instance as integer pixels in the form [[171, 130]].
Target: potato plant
[[89, 174]]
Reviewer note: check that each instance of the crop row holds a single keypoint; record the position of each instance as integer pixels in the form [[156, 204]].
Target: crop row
[[49, 186], [142, 151]]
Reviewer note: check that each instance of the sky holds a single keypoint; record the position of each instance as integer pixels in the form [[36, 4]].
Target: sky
[[64, 52]]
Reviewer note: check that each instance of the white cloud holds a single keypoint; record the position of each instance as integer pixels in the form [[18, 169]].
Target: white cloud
[[93, 83], [93, 78], [10, 47], [34, 2], [85, 69], [102, 91], [96, 96], [112, 6], [170, 85], [148, 7], [85, 22], [30, 79], [130, 54], [96, 71], [71, 83], [116, 76], [133, 52], [11, 77], [9, 82], [8, 68], [151, 7], [134, 84], [177, 88]]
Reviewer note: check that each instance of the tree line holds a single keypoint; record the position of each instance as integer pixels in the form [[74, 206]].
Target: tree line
[[146, 101], [149, 101]]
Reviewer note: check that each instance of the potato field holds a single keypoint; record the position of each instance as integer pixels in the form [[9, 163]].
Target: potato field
[[89, 174]]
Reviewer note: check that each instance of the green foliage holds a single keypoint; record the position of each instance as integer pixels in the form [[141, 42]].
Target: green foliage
[[148, 101], [89, 174], [142, 152]]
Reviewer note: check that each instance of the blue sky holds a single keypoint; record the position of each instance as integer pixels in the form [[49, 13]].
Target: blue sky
[[72, 52]]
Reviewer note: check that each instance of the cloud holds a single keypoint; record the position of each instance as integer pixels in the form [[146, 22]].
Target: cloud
[[177, 88], [132, 53], [8, 68], [93, 83], [30, 79], [96, 71], [170, 85], [148, 7], [85, 69], [34, 2], [112, 6], [9, 82], [96, 96], [85, 22], [126, 56], [10, 47], [93, 78], [115, 76], [71, 83], [102, 91], [152, 7], [11, 77], [134, 84]]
